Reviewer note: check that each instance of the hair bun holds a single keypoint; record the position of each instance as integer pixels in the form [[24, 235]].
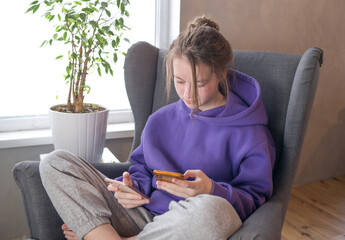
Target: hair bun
[[203, 21]]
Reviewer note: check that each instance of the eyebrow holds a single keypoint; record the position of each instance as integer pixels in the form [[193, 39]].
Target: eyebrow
[[178, 77], [198, 80]]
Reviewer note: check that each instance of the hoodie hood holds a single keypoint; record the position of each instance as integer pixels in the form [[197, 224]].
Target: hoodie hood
[[244, 105]]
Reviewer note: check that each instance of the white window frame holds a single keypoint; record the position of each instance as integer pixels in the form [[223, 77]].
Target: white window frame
[[167, 22], [35, 130]]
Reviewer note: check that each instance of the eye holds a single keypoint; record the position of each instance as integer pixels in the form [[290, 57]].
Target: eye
[[178, 80], [201, 83]]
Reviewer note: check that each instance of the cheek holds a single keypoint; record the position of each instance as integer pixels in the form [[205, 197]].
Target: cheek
[[205, 93], [179, 90]]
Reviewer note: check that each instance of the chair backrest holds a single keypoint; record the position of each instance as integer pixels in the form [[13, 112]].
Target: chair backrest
[[288, 84]]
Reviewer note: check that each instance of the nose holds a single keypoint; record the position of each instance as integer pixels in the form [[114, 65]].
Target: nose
[[187, 91]]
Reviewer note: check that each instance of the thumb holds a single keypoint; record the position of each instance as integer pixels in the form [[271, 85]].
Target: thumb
[[191, 174], [127, 180]]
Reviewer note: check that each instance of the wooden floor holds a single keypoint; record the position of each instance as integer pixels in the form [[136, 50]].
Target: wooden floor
[[316, 211]]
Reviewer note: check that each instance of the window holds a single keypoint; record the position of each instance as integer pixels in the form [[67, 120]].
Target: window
[[32, 80]]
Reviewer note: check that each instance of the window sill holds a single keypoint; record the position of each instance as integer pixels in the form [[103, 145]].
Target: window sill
[[44, 136]]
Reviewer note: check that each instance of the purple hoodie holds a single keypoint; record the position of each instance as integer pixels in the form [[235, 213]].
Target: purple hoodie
[[230, 144]]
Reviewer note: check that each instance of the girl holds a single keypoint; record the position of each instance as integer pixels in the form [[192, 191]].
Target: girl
[[216, 135]]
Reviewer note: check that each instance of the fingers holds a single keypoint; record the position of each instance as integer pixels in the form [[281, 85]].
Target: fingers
[[185, 188], [64, 227], [129, 196], [113, 188], [129, 203], [127, 179], [193, 174], [125, 198], [178, 188], [130, 200], [69, 234]]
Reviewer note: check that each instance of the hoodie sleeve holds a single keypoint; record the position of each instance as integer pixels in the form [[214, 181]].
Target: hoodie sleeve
[[253, 184], [140, 173]]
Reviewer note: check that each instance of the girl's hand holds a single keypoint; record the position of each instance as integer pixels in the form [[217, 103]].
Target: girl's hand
[[127, 200], [201, 184]]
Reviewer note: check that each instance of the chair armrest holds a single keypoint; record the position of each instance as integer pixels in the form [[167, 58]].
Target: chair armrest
[[264, 224], [42, 218], [112, 170]]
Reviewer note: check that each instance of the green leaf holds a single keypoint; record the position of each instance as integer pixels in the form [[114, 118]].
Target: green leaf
[[64, 36], [87, 89], [127, 40], [30, 9], [34, 3], [59, 17], [115, 57], [108, 12], [51, 18], [82, 16], [71, 20], [36, 7], [94, 24], [121, 22], [44, 42], [87, 10], [99, 71], [118, 3], [113, 43], [74, 55], [58, 57]]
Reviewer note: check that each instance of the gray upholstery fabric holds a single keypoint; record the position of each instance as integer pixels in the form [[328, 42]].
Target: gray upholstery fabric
[[288, 122], [43, 221], [140, 73], [288, 85]]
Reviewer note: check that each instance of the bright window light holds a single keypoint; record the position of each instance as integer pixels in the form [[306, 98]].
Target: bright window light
[[32, 80]]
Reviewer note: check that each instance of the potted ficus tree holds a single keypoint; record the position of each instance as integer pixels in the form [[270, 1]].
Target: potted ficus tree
[[93, 31]]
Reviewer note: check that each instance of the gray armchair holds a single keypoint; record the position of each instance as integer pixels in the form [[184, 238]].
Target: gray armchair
[[288, 85]]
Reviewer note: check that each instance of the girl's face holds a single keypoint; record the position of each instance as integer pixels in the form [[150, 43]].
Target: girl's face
[[207, 84]]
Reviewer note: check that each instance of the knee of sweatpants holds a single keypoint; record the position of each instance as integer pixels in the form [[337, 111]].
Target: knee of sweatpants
[[49, 162], [208, 215], [201, 217]]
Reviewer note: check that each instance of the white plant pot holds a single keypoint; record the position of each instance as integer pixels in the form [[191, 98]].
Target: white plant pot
[[80, 133]]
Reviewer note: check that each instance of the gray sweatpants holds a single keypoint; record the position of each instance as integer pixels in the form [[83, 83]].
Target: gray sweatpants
[[80, 196]]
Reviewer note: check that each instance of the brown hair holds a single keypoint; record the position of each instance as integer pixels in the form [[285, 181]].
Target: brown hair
[[200, 43]]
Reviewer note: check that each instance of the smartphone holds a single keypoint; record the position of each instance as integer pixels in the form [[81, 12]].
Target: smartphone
[[124, 188], [167, 176]]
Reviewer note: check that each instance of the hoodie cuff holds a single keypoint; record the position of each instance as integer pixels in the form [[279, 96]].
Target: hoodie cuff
[[219, 190]]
